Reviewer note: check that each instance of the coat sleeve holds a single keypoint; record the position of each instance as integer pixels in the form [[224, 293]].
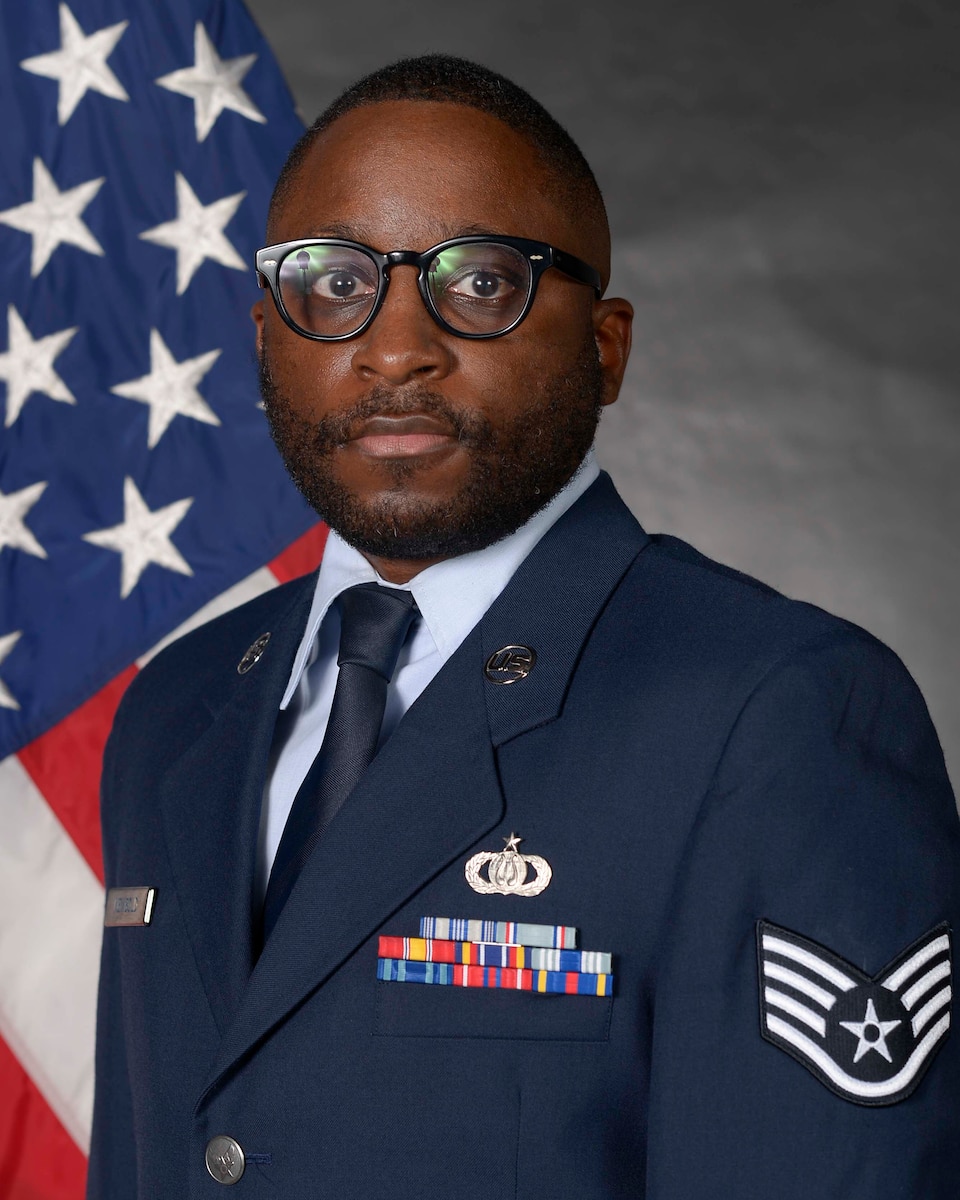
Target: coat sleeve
[[830, 815], [112, 1173]]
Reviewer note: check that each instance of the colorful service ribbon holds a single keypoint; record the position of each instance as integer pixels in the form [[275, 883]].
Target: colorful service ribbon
[[495, 954], [570, 983], [513, 933]]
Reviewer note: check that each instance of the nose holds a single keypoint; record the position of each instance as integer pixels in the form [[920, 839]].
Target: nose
[[403, 342]]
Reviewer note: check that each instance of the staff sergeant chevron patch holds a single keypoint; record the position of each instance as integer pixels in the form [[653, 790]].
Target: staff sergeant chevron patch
[[869, 1040]]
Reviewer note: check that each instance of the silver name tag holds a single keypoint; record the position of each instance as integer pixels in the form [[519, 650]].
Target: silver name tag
[[129, 906]]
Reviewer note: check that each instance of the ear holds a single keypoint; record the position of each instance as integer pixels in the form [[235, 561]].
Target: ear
[[256, 314], [612, 330]]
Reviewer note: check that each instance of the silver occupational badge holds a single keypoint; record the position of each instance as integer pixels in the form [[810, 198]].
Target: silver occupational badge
[[870, 1040], [507, 871]]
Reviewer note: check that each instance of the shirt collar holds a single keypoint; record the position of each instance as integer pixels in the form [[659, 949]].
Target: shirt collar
[[452, 595]]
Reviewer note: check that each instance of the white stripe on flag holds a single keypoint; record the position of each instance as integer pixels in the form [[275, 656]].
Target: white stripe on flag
[[51, 921], [247, 589]]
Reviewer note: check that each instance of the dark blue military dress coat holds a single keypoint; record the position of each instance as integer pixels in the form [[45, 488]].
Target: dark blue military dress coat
[[740, 797]]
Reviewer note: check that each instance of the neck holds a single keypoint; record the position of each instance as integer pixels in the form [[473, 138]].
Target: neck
[[400, 570]]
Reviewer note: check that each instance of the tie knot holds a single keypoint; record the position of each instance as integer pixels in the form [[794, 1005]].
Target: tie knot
[[374, 622]]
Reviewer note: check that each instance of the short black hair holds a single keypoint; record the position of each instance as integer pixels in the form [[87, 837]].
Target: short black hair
[[447, 79]]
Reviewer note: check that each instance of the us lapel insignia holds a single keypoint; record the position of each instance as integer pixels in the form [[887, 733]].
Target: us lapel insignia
[[507, 871], [870, 1040], [253, 654]]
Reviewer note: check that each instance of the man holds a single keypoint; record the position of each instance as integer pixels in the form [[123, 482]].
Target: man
[[728, 809]]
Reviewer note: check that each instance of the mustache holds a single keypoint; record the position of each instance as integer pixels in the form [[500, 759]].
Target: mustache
[[335, 429]]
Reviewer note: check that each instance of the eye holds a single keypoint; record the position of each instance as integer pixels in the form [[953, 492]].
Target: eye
[[480, 283], [340, 283], [471, 275], [323, 274]]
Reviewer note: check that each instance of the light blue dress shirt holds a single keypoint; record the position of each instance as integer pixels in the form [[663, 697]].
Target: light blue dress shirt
[[452, 596]]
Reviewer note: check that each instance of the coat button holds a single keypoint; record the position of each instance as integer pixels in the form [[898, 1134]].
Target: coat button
[[224, 1159]]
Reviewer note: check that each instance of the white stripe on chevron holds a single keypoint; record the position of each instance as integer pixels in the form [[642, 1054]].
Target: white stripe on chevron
[[924, 984], [795, 1009], [800, 982], [51, 919], [811, 961], [247, 589], [925, 1015], [846, 1082], [913, 964]]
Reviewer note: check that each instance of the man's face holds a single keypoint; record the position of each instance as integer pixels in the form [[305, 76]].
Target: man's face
[[416, 445]]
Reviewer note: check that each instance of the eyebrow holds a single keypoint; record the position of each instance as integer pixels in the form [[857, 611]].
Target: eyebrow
[[349, 233]]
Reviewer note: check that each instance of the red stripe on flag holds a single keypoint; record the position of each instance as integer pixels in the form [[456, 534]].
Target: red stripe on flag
[[38, 1158], [65, 763], [302, 556]]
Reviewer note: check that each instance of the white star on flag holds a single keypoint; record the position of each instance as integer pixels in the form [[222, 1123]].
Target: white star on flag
[[143, 537], [14, 507], [871, 1033], [27, 365], [197, 233], [213, 84], [80, 64], [7, 643], [52, 217], [170, 388]]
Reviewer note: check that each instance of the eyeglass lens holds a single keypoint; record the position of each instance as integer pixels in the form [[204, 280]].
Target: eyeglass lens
[[478, 288]]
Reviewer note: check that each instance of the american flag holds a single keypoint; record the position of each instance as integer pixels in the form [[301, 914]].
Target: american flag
[[139, 494]]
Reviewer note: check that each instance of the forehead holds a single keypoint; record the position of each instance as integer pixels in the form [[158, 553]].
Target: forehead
[[407, 174]]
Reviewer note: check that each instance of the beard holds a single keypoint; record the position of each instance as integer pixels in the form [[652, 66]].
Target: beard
[[516, 467]]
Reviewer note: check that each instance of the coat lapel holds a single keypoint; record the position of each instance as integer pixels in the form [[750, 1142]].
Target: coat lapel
[[553, 602], [433, 790], [210, 803]]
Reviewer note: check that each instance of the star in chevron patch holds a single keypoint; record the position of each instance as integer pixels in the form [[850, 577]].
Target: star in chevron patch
[[870, 1040]]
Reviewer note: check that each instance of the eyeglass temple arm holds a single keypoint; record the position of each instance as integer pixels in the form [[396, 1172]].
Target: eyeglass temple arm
[[577, 269]]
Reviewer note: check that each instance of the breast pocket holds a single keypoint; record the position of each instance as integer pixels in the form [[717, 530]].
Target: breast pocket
[[417, 1010]]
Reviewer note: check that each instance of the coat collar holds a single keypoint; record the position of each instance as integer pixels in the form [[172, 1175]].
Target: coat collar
[[430, 794]]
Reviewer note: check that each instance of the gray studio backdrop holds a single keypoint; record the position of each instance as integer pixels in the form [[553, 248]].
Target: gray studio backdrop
[[782, 180]]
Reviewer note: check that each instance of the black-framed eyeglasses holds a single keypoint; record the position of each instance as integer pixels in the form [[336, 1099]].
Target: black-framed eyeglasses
[[474, 287]]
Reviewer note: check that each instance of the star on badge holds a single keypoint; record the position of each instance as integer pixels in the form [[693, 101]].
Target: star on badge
[[871, 1033]]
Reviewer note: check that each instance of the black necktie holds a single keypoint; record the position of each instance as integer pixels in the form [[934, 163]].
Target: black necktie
[[374, 622]]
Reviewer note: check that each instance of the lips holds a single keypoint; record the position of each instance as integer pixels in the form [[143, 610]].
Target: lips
[[404, 436]]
